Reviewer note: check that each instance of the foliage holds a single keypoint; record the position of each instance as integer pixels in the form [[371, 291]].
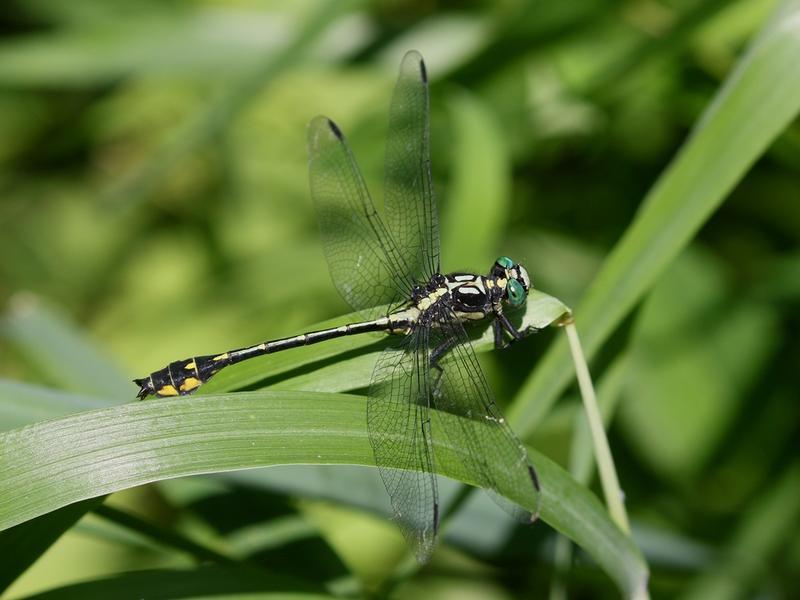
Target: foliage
[[640, 158]]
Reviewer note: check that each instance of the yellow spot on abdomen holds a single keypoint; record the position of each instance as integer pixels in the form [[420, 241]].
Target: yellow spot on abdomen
[[190, 366], [221, 356], [189, 384], [167, 390]]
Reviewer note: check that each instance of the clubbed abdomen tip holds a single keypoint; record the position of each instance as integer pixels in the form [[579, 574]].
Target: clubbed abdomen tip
[[145, 387]]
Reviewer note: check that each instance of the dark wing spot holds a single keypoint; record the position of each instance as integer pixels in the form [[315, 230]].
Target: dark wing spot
[[335, 129], [423, 71], [534, 478]]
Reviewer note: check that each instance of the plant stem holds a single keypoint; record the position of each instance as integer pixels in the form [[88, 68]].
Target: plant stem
[[605, 463]]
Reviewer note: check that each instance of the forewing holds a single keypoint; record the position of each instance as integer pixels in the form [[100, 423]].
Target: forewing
[[488, 447], [364, 261], [409, 200], [400, 433]]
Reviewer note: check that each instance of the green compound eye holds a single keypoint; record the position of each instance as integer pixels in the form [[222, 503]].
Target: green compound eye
[[516, 293], [505, 262]]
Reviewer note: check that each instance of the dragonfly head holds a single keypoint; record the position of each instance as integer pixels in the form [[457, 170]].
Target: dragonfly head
[[514, 280]]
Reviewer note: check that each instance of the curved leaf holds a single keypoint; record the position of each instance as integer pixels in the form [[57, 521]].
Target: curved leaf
[[55, 463]]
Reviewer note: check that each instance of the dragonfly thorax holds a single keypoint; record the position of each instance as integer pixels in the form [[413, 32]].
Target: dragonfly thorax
[[470, 296]]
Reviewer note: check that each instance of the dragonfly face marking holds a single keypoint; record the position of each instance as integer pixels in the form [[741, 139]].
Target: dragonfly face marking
[[427, 383], [513, 278]]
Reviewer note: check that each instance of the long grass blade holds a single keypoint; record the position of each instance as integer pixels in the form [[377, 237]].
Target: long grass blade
[[759, 99]]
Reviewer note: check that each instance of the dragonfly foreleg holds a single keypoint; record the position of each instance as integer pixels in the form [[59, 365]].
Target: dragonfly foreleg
[[502, 324], [499, 338]]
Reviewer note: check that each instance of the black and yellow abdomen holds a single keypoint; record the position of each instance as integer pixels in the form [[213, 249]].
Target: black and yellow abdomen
[[182, 376], [185, 376]]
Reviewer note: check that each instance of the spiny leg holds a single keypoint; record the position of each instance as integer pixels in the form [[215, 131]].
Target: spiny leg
[[499, 338], [502, 323], [435, 356]]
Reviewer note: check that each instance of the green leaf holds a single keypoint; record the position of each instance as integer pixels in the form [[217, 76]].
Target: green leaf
[[23, 403], [473, 218], [770, 523], [32, 538], [52, 464], [696, 357], [199, 42], [759, 99], [161, 535], [208, 123], [239, 582], [60, 351]]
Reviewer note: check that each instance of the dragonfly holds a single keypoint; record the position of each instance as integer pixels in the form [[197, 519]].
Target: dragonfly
[[387, 267]]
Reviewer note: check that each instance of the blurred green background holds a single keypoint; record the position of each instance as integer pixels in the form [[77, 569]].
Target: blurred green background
[[155, 205]]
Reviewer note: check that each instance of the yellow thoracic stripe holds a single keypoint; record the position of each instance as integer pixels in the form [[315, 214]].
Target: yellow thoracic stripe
[[432, 297]]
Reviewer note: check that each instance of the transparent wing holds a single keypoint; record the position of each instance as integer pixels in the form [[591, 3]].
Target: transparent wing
[[365, 263], [491, 451], [409, 200], [400, 433]]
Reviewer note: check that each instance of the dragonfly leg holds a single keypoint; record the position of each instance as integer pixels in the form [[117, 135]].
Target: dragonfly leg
[[502, 323], [499, 339], [436, 356]]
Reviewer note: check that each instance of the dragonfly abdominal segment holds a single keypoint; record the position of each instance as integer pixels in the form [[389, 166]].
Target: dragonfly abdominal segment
[[470, 297]]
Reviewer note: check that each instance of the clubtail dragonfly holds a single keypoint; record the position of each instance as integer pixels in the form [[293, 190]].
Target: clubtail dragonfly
[[393, 261]]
